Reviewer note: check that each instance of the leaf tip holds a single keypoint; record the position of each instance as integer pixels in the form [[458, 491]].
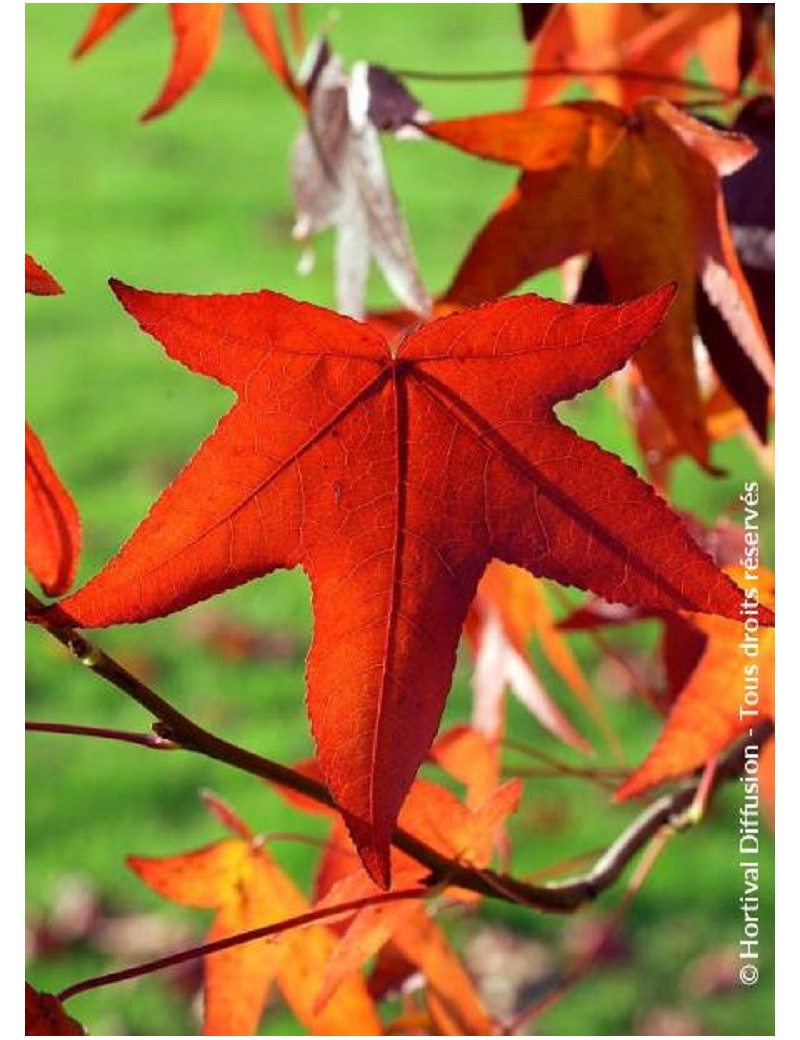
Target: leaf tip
[[628, 789], [375, 858], [664, 295], [138, 864], [39, 281], [152, 113], [121, 290]]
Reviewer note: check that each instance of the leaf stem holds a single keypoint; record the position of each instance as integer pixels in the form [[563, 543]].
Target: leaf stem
[[150, 740]]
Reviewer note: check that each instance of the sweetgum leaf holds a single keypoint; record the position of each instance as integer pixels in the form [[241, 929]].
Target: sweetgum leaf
[[393, 480]]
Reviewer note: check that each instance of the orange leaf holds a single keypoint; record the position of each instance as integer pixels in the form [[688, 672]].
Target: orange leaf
[[241, 881], [369, 929], [711, 710], [260, 23], [471, 758], [103, 21], [435, 816], [642, 194], [510, 607], [452, 999], [196, 31], [651, 41], [454, 1004], [394, 480]]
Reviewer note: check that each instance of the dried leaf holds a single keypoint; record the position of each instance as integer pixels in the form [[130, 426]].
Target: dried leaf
[[340, 180]]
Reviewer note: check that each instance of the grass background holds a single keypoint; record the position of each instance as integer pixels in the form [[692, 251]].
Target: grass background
[[198, 201]]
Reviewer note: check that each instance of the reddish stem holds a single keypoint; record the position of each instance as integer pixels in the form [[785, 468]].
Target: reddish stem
[[206, 949], [151, 740]]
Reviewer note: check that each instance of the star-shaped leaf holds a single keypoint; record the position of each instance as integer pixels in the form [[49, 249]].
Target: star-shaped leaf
[[394, 479], [642, 193], [243, 883]]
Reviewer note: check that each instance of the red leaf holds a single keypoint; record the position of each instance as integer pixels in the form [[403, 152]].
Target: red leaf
[[195, 29], [260, 23], [393, 480], [45, 1016], [103, 21], [38, 281], [52, 524]]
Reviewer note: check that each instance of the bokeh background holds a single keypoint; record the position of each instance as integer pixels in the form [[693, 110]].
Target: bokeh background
[[199, 201]]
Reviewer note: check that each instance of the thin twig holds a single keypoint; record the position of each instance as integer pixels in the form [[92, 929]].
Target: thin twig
[[264, 932], [585, 73], [608, 650], [584, 966], [149, 740], [609, 777], [555, 763]]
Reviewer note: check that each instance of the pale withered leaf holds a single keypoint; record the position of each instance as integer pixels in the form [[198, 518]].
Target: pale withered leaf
[[340, 180]]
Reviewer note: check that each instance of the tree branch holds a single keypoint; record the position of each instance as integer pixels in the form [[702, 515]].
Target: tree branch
[[556, 897]]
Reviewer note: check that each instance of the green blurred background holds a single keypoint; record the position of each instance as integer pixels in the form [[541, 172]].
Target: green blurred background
[[198, 201]]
